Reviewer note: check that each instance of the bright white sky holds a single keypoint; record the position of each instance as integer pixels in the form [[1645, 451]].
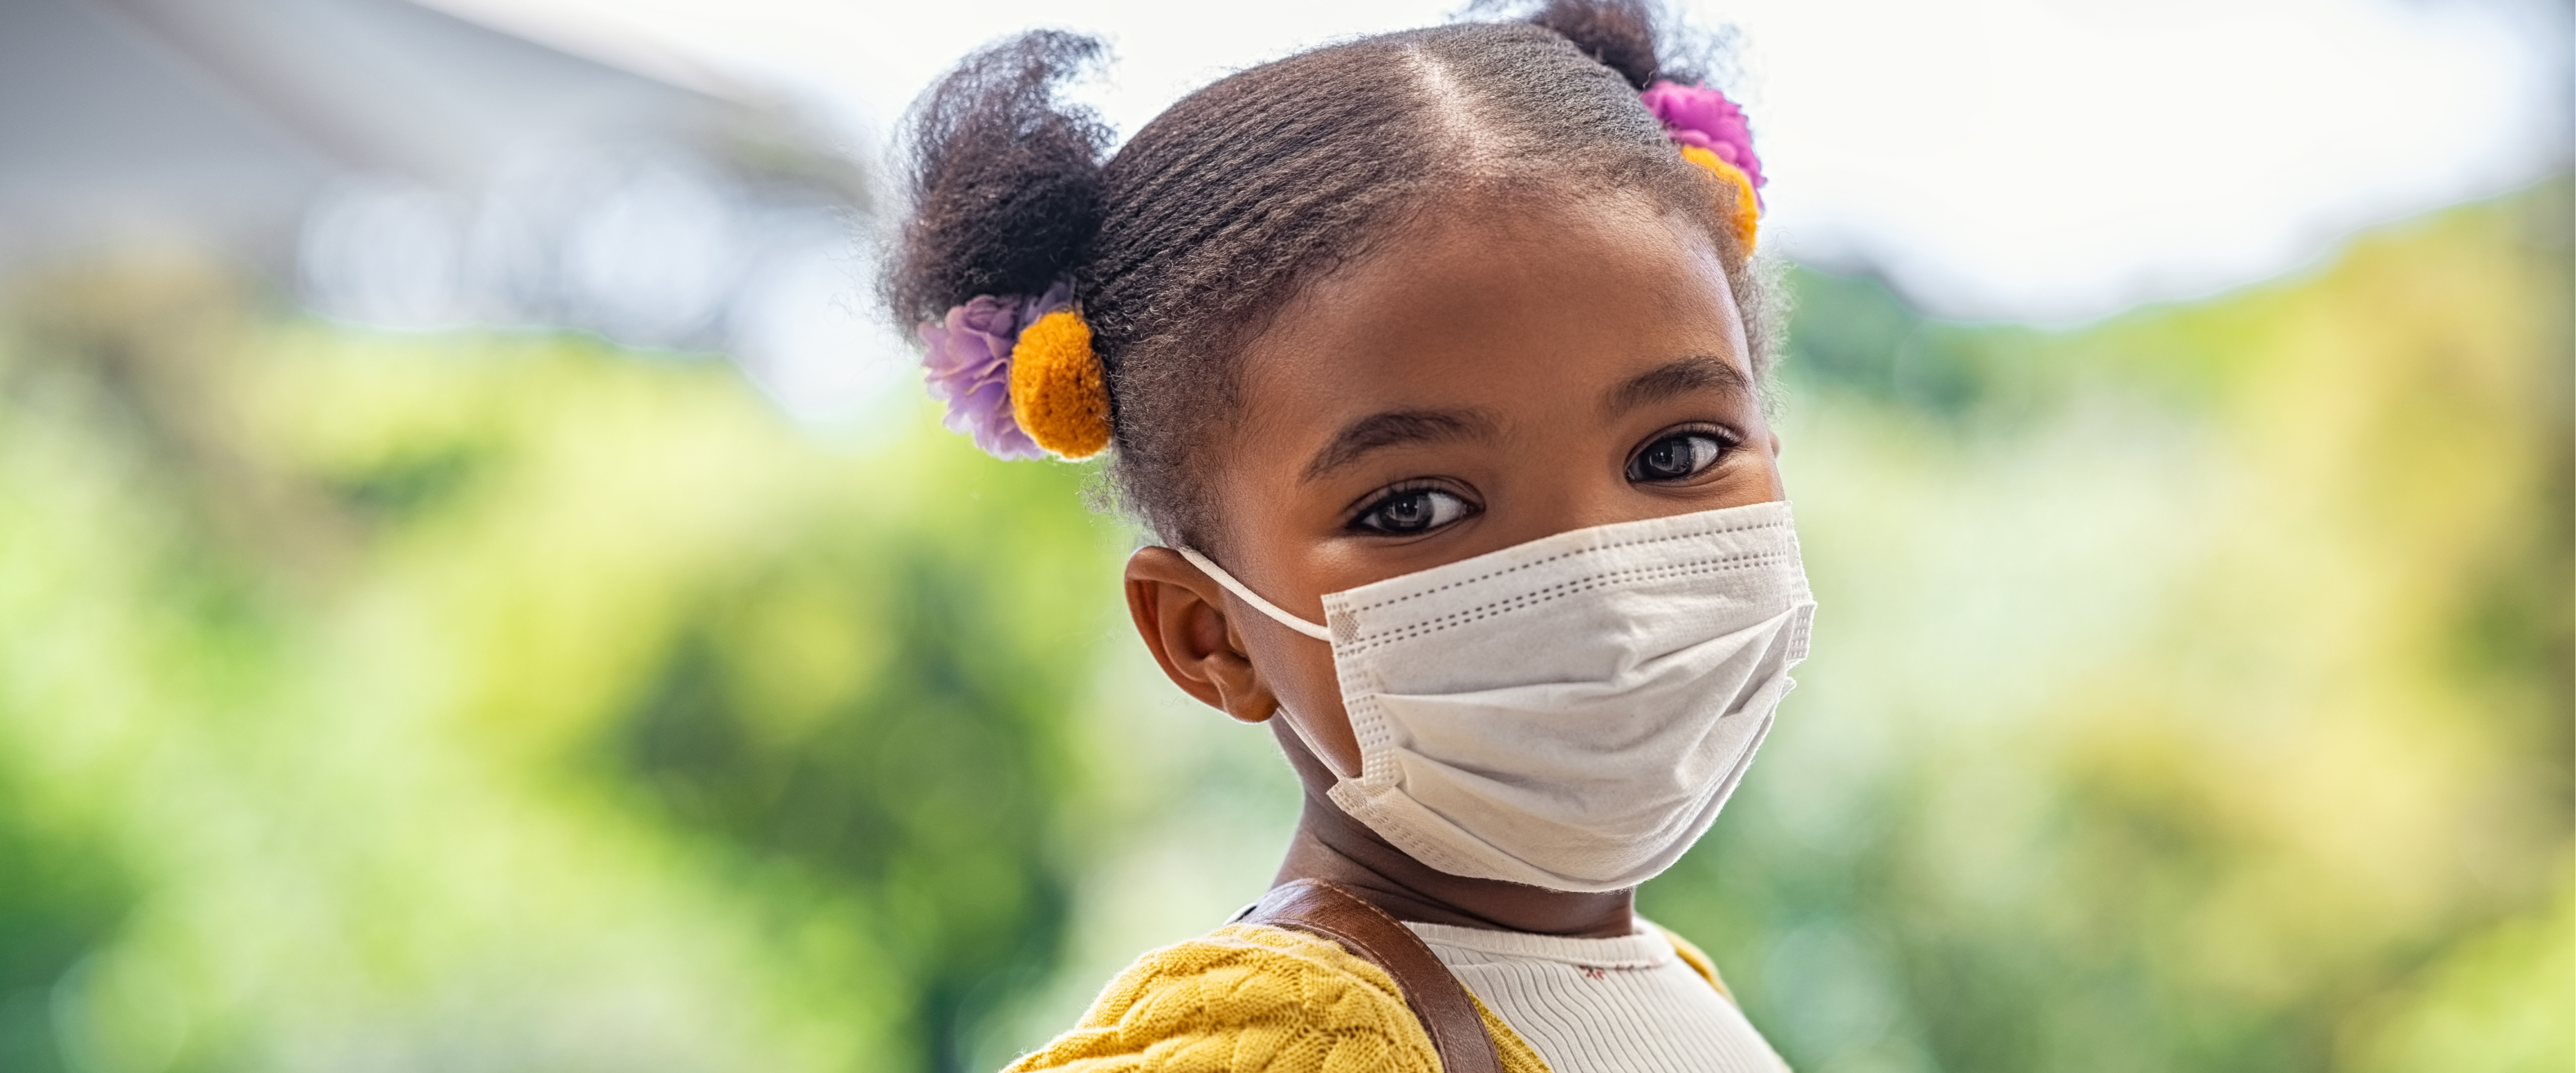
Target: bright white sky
[[2028, 159]]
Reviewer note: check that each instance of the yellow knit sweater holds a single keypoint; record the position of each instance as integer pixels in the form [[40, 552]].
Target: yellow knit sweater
[[1251, 997]]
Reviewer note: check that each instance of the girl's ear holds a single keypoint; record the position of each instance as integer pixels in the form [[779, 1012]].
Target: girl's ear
[[1181, 614]]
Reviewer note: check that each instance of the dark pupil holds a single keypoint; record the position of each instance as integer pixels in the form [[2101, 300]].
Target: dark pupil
[[1409, 511], [1669, 458]]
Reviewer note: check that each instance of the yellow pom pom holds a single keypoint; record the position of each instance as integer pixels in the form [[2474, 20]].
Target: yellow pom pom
[[1057, 393], [1748, 211]]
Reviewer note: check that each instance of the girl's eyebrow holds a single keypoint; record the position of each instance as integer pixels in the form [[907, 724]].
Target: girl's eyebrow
[[1391, 428], [1699, 372]]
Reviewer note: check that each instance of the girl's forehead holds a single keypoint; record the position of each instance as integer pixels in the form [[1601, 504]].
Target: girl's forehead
[[1518, 297]]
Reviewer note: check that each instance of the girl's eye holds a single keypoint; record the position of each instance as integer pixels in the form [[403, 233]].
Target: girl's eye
[[1414, 510], [1674, 457]]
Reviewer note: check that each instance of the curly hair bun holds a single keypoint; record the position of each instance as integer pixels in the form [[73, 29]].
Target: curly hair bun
[[1617, 34], [1005, 182]]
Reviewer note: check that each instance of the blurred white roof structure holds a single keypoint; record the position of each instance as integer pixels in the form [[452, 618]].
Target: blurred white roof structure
[[231, 114], [412, 169]]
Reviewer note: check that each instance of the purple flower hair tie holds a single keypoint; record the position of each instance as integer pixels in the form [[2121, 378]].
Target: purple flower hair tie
[[969, 366], [1700, 116]]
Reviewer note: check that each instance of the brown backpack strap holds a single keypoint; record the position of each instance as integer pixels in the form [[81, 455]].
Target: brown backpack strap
[[1443, 1006]]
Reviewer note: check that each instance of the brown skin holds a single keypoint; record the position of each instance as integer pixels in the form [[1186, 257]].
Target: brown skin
[[1513, 369]]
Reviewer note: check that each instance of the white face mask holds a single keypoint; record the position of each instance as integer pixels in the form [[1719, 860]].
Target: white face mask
[[1570, 713]]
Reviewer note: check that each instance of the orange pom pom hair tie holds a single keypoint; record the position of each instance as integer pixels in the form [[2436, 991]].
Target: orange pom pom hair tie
[[1018, 374], [1058, 395], [1746, 219]]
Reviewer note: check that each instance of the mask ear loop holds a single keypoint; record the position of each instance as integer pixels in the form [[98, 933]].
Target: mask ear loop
[[1300, 625], [1320, 633]]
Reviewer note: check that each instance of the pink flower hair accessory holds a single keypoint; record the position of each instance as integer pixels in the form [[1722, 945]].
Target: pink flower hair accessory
[[1702, 117], [968, 366]]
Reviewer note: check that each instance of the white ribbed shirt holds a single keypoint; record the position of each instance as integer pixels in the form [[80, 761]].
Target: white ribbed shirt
[[1623, 1005]]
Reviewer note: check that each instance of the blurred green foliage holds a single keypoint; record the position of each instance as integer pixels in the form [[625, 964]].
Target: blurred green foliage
[[507, 703], [2191, 692]]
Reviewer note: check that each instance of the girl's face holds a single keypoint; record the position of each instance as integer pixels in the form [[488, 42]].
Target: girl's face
[[1509, 371]]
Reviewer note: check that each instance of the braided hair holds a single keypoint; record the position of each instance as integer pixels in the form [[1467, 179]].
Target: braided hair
[[1182, 245]]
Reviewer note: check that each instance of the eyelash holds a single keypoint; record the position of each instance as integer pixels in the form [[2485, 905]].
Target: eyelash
[[1725, 440], [1379, 502]]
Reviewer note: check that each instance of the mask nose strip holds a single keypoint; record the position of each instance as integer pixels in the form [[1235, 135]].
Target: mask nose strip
[[1238, 588]]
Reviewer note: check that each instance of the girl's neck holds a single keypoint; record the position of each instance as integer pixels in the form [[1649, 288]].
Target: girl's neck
[[1330, 845]]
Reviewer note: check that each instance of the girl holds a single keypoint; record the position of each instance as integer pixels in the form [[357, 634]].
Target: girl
[[1434, 363]]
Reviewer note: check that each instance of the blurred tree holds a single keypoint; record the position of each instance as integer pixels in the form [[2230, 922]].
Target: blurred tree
[[884, 716], [446, 701]]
